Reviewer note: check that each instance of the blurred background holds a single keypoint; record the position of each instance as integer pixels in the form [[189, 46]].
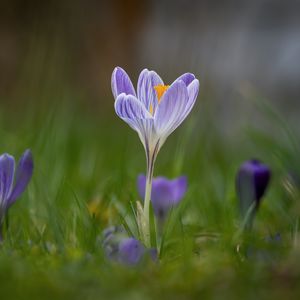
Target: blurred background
[[54, 51]]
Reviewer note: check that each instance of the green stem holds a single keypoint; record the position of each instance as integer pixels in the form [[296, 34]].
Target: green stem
[[150, 166]]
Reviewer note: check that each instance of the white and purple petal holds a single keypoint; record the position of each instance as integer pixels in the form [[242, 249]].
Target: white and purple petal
[[23, 175], [134, 113], [192, 85], [129, 108], [187, 78], [121, 83], [171, 109], [145, 88], [193, 90], [7, 169]]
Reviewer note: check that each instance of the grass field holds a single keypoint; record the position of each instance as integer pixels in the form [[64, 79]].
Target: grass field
[[52, 241]]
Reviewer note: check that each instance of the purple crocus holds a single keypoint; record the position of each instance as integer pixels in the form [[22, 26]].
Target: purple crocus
[[165, 193], [13, 181], [130, 251], [123, 249], [155, 110], [251, 183]]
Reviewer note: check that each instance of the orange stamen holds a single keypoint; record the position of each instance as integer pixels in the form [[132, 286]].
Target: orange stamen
[[151, 109], [160, 90]]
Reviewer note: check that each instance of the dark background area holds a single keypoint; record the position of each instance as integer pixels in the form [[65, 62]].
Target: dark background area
[[66, 50]]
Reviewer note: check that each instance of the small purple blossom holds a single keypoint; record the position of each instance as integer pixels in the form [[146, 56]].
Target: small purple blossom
[[126, 250], [13, 181], [251, 183], [131, 251], [165, 193]]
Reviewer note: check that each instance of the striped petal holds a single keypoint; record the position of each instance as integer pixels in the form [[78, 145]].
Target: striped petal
[[187, 78], [121, 83], [134, 113], [171, 109], [193, 90], [23, 175], [145, 88], [7, 169]]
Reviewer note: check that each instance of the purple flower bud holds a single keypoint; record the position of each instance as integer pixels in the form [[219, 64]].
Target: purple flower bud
[[165, 193], [251, 183], [13, 182], [130, 251]]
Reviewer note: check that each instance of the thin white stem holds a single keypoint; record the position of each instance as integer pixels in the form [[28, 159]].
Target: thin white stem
[[150, 166]]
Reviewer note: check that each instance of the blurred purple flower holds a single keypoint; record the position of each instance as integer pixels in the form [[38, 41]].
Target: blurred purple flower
[[130, 251], [156, 110], [126, 250], [251, 183], [13, 182], [165, 193]]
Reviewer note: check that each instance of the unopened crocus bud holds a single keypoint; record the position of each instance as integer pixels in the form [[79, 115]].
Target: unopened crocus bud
[[251, 183], [13, 181]]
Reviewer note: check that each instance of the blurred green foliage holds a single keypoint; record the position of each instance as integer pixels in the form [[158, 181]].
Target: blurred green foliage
[[86, 165]]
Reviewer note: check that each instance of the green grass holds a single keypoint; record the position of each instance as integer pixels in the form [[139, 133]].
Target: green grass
[[52, 247]]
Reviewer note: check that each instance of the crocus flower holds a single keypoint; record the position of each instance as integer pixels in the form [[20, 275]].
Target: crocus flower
[[251, 183], [130, 251], [155, 110], [165, 193], [126, 250], [13, 182]]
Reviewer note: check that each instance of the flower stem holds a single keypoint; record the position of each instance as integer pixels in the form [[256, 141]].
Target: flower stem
[[150, 166]]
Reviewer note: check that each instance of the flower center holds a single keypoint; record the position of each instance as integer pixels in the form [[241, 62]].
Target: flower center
[[160, 90]]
